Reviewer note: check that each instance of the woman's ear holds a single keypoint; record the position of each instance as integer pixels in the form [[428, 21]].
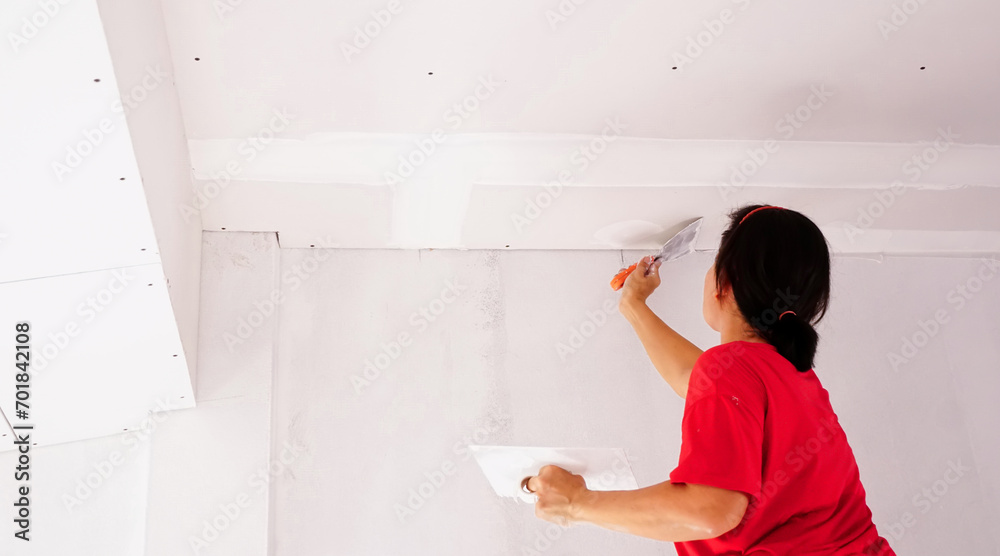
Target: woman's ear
[[723, 289]]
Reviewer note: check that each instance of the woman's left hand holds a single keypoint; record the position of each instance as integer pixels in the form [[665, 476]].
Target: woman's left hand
[[558, 493]]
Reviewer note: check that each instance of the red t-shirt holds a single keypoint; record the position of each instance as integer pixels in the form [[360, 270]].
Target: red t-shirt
[[754, 424]]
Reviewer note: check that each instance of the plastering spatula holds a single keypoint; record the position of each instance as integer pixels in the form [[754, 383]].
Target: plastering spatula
[[676, 247], [506, 466]]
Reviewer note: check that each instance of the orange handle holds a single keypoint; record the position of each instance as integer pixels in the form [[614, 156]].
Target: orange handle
[[619, 280]]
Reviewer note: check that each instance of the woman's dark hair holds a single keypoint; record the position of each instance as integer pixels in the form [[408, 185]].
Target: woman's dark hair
[[777, 260]]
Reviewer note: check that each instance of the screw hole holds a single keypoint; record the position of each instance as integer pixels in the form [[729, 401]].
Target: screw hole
[[223, 228], [175, 355], [675, 67], [143, 249], [197, 59], [923, 67], [97, 81]]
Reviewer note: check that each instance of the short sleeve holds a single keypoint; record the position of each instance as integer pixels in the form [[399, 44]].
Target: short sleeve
[[722, 432]]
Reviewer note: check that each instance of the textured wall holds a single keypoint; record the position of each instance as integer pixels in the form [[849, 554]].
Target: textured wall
[[384, 471]]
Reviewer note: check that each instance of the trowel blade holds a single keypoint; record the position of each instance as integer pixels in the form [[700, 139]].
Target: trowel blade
[[681, 244], [506, 466]]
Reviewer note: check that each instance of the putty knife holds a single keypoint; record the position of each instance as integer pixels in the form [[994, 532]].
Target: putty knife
[[676, 247], [506, 466]]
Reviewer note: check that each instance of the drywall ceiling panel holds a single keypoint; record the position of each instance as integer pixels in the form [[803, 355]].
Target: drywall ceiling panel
[[562, 67], [347, 216], [104, 348], [445, 216], [854, 220], [607, 157], [581, 192], [73, 199]]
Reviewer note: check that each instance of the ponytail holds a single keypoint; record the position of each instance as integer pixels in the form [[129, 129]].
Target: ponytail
[[795, 339], [778, 265]]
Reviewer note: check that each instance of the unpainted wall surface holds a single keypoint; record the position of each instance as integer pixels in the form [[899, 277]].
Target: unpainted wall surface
[[527, 348]]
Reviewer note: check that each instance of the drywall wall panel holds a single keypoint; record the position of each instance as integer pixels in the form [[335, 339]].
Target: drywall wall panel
[[527, 348], [457, 370], [73, 197], [909, 355], [104, 347], [137, 40], [209, 479], [88, 497], [211, 467]]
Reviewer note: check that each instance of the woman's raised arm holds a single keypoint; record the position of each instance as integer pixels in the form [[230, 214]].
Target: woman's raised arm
[[671, 354]]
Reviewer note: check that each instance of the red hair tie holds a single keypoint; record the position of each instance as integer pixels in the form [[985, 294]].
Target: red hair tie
[[785, 313], [760, 208]]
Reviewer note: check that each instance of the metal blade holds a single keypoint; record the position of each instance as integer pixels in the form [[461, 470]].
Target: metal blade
[[681, 244]]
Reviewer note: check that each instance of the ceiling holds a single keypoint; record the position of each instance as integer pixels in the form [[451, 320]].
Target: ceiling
[[312, 106]]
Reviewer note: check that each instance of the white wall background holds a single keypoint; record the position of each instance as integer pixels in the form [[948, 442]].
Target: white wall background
[[283, 457], [489, 363], [316, 469]]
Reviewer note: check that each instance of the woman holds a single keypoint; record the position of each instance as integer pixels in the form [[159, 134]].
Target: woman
[[765, 467]]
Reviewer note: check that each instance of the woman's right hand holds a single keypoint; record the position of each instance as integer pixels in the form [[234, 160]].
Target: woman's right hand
[[638, 286]]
